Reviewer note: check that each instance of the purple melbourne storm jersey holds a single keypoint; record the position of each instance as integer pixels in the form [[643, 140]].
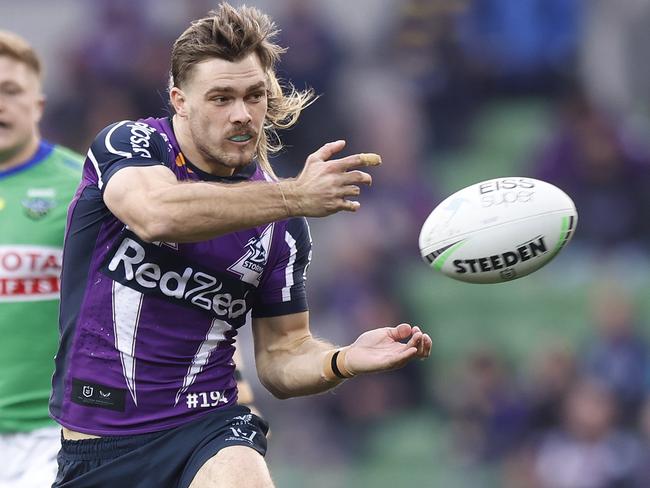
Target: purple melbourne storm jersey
[[147, 329]]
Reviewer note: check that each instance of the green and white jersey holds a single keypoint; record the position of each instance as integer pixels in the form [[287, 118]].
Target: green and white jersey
[[34, 198]]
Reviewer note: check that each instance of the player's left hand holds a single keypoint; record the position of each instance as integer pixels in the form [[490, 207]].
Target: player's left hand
[[383, 349]]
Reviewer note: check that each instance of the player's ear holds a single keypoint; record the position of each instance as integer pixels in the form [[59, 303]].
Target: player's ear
[[179, 101], [40, 107]]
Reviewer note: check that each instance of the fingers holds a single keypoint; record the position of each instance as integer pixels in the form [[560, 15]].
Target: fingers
[[415, 340], [405, 356], [351, 191], [428, 344], [357, 177], [349, 162], [326, 151], [325, 185], [418, 340], [400, 332], [350, 205], [423, 343], [370, 159], [358, 160]]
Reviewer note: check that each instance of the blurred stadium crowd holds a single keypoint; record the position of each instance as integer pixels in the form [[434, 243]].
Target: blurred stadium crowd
[[541, 382]]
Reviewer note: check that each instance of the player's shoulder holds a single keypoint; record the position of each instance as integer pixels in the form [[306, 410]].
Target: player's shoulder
[[128, 128], [297, 224], [297, 230], [131, 139]]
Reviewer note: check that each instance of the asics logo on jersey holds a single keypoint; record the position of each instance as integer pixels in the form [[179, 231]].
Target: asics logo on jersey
[[150, 270], [140, 137]]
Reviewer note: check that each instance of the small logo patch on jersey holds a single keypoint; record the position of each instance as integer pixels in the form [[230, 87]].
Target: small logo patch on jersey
[[251, 265], [91, 394], [39, 202]]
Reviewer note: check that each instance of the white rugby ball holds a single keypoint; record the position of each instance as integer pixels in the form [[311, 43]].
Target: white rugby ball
[[498, 230]]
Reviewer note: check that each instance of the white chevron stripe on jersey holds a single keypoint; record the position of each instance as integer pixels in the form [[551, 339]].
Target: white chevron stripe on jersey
[[213, 338], [304, 273], [109, 146], [288, 272], [127, 304], [93, 159]]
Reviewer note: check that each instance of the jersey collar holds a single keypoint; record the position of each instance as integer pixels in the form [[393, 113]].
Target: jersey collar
[[44, 150], [243, 174]]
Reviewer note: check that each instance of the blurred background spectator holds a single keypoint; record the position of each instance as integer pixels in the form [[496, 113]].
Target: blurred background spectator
[[587, 450], [538, 383], [617, 354], [605, 170]]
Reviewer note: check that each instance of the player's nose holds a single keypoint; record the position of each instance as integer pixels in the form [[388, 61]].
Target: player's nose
[[239, 113]]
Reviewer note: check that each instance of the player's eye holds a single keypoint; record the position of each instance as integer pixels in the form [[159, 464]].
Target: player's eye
[[10, 90], [256, 96], [220, 100]]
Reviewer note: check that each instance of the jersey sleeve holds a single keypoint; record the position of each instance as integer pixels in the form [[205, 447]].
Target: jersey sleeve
[[123, 144], [283, 291]]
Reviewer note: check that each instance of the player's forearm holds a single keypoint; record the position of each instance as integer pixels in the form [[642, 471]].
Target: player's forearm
[[198, 211], [297, 369]]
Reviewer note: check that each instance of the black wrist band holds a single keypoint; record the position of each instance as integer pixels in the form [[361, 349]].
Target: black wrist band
[[335, 367]]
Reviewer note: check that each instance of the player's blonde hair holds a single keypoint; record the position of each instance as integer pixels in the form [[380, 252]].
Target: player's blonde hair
[[232, 34], [15, 47]]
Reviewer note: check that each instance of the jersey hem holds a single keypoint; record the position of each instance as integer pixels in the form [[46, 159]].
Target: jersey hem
[[138, 431]]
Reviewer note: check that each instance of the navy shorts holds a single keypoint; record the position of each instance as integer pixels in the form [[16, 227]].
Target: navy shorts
[[166, 459]]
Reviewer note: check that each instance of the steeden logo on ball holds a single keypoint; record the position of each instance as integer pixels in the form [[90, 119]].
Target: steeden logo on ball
[[498, 230]]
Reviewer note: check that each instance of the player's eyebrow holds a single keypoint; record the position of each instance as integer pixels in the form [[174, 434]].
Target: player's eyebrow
[[229, 89], [11, 83], [256, 86]]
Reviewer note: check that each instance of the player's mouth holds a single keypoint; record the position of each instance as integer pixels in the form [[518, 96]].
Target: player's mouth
[[241, 138]]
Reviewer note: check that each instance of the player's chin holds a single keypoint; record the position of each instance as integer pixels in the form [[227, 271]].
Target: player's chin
[[240, 158], [8, 145]]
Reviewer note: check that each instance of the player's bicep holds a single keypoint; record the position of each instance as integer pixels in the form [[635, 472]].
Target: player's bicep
[[125, 144], [128, 161], [282, 333], [127, 193]]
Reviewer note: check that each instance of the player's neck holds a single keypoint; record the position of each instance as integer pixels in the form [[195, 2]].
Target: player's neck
[[22, 154]]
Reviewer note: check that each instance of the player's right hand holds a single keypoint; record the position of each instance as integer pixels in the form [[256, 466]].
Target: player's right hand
[[386, 348], [325, 185]]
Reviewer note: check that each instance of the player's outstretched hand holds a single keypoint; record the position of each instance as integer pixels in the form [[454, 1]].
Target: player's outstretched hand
[[325, 185], [386, 348]]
